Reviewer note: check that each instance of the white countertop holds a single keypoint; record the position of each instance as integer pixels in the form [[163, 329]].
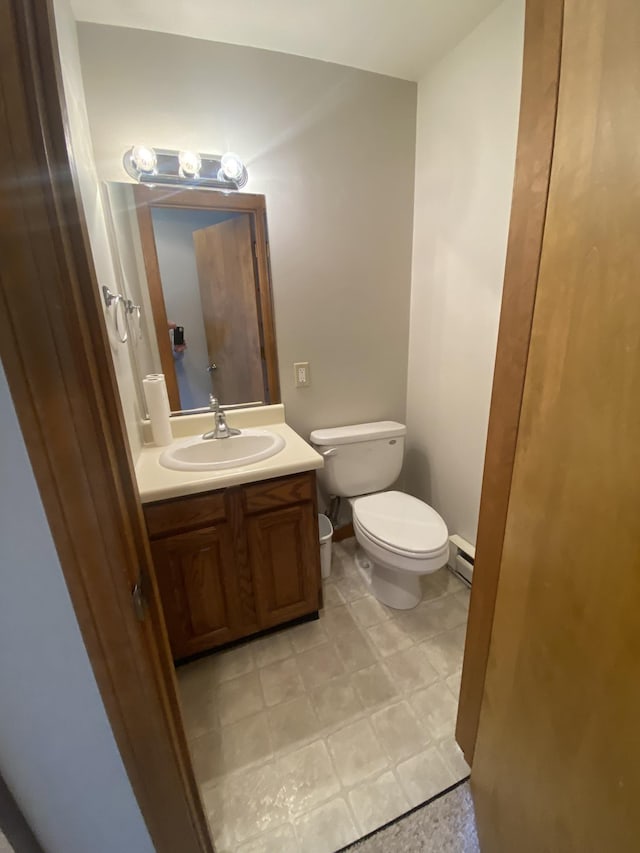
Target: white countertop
[[156, 483]]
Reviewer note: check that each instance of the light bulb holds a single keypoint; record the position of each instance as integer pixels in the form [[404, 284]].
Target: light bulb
[[232, 166], [144, 159], [190, 163]]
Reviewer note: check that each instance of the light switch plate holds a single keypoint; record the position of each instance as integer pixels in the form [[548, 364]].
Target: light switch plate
[[301, 374]]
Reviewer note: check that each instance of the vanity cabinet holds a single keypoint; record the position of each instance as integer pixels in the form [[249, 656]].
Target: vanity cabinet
[[237, 561]]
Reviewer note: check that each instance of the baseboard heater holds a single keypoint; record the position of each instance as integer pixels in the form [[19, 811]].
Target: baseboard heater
[[462, 558]]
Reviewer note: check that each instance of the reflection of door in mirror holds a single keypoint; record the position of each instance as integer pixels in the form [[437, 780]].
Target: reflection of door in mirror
[[227, 279], [205, 257]]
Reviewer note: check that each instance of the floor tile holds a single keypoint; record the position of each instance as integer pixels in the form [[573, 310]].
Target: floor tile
[[197, 679], [354, 651], [389, 637], [319, 664], [232, 663], [308, 635], [399, 732], [309, 778], [280, 840], [356, 752], [327, 828], [374, 686], [445, 651], [436, 709], [432, 617], [421, 622], [453, 758], [271, 649], [310, 737], [377, 801], [464, 597], [351, 587], [199, 713], [337, 621], [423, 776], [447, 612], [439, 583], [369, 611], [336, 701], [453, 683], [332, 597], [349, 547], [281, 681], [410, 669], [241, 744], [206, 755], [247, 803], [292, 722], [239, 698]]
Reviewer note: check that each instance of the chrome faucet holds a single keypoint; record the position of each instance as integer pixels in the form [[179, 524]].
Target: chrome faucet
[[220, 430]]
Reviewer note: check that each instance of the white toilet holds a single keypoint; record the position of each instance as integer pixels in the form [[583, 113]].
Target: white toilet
[[402, 537]]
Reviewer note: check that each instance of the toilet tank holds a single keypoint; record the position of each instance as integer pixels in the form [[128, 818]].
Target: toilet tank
[[361, 458]]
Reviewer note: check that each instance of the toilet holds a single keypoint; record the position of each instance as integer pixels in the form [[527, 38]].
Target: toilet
[[401, 537]]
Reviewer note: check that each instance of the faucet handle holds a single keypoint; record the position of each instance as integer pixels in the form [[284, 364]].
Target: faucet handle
[[214, 403]]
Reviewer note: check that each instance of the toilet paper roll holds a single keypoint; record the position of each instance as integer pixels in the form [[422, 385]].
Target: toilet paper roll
[[155, 393]]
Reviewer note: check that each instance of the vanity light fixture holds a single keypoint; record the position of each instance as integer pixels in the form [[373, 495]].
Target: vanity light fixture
[[233, 169], [185, 168], [190, 163], [144, 159]]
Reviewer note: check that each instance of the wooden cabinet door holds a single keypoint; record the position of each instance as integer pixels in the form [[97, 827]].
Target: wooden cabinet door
[[198, 587], [284, 554]]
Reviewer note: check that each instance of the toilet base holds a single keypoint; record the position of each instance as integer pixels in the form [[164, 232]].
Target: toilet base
[[397, 589], [400, 590]]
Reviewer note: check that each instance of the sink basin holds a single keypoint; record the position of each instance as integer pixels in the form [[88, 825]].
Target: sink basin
[[198, 454]]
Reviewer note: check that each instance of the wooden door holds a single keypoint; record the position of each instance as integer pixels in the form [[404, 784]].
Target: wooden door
[[284, 555], [557, 763], [226, 275], [197, 580], [55, 352]]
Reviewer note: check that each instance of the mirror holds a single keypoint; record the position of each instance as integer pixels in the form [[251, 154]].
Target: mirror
[[196, 262]]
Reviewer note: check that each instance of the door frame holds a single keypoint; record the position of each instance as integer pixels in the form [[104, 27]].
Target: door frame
[[55, 352], [250, 203], [54, 348], [536, 132]]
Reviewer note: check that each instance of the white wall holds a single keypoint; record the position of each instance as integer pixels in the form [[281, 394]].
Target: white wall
[[332, 149], [93, 207], [57, 751], [120, 210], [468, 109]]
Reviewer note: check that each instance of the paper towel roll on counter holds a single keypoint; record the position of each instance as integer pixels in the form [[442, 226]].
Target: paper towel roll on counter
[[155, 393]]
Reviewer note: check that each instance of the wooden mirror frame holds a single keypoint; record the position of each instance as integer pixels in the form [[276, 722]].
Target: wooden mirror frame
[[252, 204]]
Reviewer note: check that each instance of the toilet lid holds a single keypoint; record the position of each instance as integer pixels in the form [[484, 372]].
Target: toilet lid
[[401, 522]]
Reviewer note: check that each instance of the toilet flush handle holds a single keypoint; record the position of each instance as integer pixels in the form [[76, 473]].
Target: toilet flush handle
[[330, 451]]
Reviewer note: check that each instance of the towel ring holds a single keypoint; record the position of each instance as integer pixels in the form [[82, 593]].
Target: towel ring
[[120, 307]]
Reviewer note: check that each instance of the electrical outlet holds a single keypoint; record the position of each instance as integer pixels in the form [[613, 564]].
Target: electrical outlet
[[301, 374]]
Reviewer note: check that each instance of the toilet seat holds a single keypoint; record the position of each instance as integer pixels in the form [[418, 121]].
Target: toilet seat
[[402, 524]]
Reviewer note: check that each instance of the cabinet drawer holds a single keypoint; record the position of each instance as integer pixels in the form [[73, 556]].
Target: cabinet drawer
[[282, 492], [184, 513]]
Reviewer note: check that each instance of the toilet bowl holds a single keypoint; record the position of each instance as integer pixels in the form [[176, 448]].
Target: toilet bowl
[[403, 539], [400, 536]]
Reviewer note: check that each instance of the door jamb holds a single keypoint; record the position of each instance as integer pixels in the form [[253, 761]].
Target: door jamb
[[538, 107]]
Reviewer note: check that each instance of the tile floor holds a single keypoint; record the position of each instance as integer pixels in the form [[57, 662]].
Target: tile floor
[[308, 739]]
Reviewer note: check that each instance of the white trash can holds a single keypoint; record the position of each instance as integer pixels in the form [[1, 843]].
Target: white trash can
[[326, 535]]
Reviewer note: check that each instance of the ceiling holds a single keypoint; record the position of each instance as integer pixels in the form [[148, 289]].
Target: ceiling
[[400, 38]]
